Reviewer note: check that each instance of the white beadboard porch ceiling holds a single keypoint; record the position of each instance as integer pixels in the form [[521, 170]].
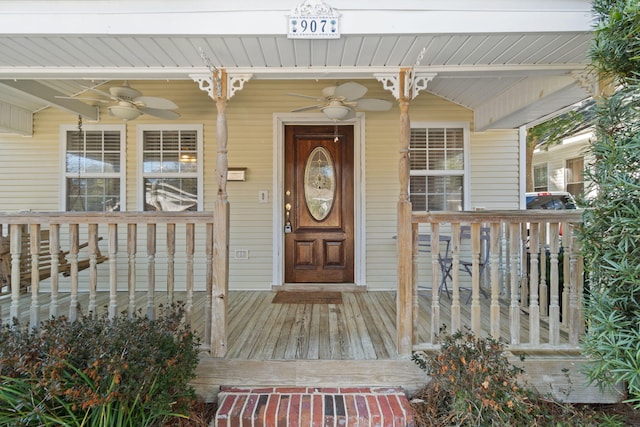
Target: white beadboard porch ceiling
[[508, 78]]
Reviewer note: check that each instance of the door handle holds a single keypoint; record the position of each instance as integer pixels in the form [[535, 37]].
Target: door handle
[[287, 222]]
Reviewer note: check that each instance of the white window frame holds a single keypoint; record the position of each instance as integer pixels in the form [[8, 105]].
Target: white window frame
[[546, 167], [122, 175], [466, 171], [199, 175], [567, 183]]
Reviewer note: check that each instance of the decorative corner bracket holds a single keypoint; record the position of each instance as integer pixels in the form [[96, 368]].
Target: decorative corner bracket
[[414, 83], [235, 82]]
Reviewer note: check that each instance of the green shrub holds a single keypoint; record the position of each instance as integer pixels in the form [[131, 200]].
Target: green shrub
[[97, 372], [475, 384], [610, 235]]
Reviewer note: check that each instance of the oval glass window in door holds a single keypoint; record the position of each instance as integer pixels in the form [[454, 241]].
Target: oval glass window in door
[[319, 183]]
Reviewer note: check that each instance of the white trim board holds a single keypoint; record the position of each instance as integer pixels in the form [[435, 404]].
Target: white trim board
[[279, 122]]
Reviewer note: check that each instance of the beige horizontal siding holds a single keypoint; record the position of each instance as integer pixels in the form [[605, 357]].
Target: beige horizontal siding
[[495, 169], [30, 176]]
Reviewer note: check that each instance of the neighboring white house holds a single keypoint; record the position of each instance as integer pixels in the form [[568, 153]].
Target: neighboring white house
[[561, 167]]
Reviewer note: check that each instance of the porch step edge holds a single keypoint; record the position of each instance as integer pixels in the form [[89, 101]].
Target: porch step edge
[[313, 406]]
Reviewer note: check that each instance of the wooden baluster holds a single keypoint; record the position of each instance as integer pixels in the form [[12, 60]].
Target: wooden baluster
[[113, 270], [577, 249], [54, 244], [171, 260], [92, 249], [208, 309], [534, 307], [151, 270], [34, 248], [524, 286], [514, 308], [74, 247], [566, 271], [435, 284], [132, 242], [190, 250], [495, 240], [575, 327], [542, 269], [475, 279], [454, 243], [15, 236], [554, 278], [507, 257], [415, 303]]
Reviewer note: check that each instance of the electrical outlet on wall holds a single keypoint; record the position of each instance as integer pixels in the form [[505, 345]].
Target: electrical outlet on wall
[[241, 254], [263, 196]]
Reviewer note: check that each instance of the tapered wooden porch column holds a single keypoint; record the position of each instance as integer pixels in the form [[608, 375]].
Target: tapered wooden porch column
[[405, 86], [221, 225], [404, 313], [220, 88]]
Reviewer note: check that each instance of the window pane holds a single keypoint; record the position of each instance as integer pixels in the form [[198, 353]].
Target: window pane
[[92, 152], [171, 194], [152, 140], [170, 151], [93, 194], [540, 178], [170, 162], [444, 193], [574, 168], [437, 168], [93, 141]]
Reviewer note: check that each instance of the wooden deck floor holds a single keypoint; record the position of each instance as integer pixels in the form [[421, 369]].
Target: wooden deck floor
[[325, 345], [361, 328]]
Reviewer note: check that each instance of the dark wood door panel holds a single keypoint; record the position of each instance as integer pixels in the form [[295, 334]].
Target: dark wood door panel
[[319, 248]]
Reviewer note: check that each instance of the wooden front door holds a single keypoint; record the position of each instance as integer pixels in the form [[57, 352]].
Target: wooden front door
[[319, 207]]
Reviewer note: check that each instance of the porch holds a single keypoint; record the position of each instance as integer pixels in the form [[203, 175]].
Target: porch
[[326, 345], [158, 259]]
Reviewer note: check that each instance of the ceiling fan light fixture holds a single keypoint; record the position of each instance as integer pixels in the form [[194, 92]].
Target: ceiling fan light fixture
[[125, 112], [335, 112]]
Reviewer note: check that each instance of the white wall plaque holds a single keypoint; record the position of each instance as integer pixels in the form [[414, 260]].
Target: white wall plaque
[[314, 19]]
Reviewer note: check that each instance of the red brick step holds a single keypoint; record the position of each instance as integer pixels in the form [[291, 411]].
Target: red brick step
[[313, 407]]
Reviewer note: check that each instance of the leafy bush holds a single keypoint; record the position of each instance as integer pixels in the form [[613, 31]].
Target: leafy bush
[[97, 372], [610, 235], [475, 384]]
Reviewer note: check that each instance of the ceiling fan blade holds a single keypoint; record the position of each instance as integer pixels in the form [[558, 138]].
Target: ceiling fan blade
[[79, 98], [163, 114], [307, 108], [350, 91], [299, 95], [350, 115], [155, 103], [372, 104], [101, 92]]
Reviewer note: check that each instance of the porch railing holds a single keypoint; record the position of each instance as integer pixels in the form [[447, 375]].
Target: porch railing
[[532, 284], [128, 252]]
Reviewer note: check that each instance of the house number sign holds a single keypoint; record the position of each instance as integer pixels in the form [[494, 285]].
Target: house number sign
[[313, 19], [313, 27]]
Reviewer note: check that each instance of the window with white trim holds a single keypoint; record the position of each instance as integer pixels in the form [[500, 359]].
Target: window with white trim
[[438, 156], [541, 177], [94, 168], [171, 166], [574, 176]]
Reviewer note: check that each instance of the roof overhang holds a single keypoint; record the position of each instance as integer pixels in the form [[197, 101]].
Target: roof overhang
[[510, 62]]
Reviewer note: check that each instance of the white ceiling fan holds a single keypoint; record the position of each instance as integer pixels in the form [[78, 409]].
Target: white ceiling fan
[[131, 104], [341, 102]]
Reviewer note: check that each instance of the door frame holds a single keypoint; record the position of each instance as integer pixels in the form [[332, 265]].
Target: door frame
[[280, 120]]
